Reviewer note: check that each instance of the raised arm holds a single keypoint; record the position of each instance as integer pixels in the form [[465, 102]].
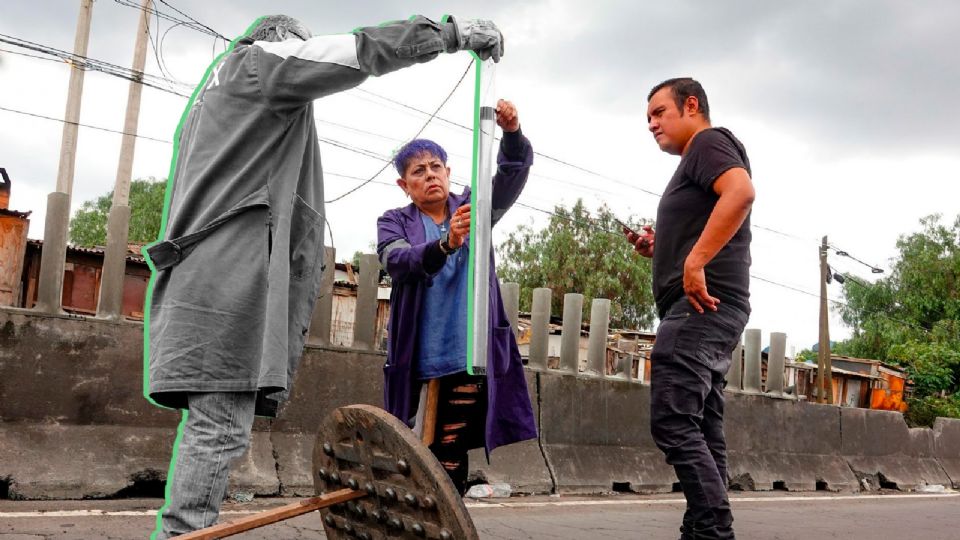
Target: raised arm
[[513, 161], [295, 71]]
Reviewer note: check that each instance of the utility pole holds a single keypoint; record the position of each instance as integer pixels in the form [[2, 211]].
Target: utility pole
[[824, 365], [57, 222], [110, 303]]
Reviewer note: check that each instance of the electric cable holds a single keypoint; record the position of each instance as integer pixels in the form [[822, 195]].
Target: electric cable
[[82, 125], [388, 162]]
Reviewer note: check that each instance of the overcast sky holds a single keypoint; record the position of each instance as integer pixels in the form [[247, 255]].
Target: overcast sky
[[848, 111]]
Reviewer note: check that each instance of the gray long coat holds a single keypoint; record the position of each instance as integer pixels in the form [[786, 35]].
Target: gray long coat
[[238, 272]]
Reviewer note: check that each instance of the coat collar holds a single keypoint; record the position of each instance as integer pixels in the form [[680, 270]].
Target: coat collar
[[412, 213]]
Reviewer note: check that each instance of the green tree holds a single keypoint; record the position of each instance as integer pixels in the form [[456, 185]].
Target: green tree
[[88, 227], [583, 253], [912, 317]]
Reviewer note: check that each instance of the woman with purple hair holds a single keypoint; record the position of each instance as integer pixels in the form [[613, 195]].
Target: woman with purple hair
[[424, 247]]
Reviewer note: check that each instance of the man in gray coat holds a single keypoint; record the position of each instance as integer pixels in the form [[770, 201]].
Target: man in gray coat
[[237, 274]]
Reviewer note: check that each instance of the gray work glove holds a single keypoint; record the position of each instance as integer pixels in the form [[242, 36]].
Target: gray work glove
[[480, 36]]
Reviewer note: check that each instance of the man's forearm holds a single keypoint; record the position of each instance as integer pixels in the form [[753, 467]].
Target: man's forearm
[[728, 215], [395, 45]]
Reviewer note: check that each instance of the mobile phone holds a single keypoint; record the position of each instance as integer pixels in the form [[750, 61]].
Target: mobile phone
[[627, 230]]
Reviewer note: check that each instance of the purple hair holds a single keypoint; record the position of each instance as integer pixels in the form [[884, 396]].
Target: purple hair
[[416, 148]]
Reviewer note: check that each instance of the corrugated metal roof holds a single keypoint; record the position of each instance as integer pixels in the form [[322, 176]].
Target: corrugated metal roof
[[834, 370], [15, 213], [134, 256]]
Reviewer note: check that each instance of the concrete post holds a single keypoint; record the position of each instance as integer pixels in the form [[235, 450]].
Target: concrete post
[[570, 339], [824, 361], [53, 257], [110, 303], [539, 329], [735, 375], [775, 363], [642, 367], [597, 345], [628, 348], [365, 319], [68, 144], [52, 262], [626, 366], [751, 361], [510, 294], [322, 319]]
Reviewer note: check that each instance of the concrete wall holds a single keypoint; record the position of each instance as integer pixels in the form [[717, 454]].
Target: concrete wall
[[74, 423]]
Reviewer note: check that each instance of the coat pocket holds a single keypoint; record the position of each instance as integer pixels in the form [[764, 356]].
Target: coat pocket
[[502, 350], [168, 253], [306, 239]]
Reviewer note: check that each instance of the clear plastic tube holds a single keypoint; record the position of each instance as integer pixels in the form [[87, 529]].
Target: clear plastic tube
[[481, 219]]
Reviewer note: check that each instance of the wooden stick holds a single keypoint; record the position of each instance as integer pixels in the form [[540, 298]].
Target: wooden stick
[[267, 517], [430, 413]]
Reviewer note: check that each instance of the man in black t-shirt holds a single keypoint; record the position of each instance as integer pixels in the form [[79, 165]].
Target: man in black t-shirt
[[701, 283]]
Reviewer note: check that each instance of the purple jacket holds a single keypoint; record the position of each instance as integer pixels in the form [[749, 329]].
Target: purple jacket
[[402, 247]]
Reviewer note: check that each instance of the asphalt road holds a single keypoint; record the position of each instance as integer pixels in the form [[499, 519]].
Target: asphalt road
[[766, 516]]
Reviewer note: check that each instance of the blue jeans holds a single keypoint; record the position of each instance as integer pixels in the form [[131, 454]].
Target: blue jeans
[[217, 431], [689, 362]]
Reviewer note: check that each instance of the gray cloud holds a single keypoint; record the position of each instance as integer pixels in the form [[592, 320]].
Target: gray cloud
[[873, 75]]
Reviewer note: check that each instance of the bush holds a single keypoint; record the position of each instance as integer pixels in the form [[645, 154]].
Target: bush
[[923, 411]]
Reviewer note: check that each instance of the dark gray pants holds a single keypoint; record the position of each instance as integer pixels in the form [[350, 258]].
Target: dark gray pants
[[688, 364]]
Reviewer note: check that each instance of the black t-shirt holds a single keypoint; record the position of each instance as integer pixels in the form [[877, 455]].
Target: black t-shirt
[[682, 215]]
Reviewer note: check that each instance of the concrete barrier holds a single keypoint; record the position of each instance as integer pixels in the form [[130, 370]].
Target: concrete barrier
[[327, 378], [596, 432], [522, 465], [884, 452], [74, 424], [91, 433], [946, 447], [782, 444], [69, 370]]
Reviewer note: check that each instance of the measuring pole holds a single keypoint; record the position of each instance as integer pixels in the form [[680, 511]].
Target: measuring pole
[[481, 209]]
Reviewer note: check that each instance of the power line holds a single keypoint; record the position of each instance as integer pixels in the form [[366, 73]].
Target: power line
[[591, 222], [567, 164], [373, 180], [38, 57], [786, 235], [358, 130], [82, 125], [141, 77], [794, 289], [590, 189], [84, 62], [217, 34], [882, 314], [158, 52], [192, 23], [155, 44], [842, 253], [432, 116], [423, 127], [197, 25], [536, 153]]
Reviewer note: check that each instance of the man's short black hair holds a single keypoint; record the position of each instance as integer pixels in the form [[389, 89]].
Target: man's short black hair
[[682, 88]]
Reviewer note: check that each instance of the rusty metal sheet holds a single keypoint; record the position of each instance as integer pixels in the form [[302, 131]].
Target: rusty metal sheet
[[13, 244], [409, 493]]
